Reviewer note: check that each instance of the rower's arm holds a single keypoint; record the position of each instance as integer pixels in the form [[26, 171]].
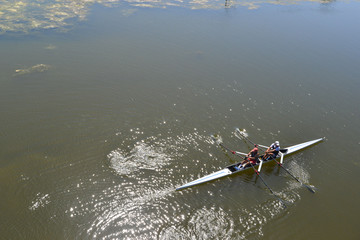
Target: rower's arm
[[270, 150]]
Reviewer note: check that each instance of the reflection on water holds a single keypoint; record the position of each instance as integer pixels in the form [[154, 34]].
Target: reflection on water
[[40, 201], [29, 15], [146, 205], [205, 223], [32, 15]]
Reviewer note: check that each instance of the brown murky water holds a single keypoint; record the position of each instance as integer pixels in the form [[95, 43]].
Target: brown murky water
[[107, 108]]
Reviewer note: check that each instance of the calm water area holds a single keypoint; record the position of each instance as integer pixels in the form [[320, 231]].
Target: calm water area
[[108, 106]]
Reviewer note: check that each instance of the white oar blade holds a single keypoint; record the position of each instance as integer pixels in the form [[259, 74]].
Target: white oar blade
[[241, 133], [217, 139]]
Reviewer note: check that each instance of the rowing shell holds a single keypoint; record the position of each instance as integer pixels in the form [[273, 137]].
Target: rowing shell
[[232, 169]]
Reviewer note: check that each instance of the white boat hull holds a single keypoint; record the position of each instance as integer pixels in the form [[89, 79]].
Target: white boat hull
[[229, 170]]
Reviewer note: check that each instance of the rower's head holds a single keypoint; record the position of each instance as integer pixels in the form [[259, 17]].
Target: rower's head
[[277, 143], [255, 145]]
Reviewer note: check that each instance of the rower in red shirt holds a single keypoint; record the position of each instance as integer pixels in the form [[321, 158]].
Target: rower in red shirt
[[251, 157]]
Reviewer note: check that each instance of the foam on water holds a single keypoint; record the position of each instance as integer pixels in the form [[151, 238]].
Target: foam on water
[[142, 156], [154, 152], [38, 68]]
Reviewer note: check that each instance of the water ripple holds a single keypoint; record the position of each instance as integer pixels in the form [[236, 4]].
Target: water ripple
[[203, 224], [40, 201], [142, 203]]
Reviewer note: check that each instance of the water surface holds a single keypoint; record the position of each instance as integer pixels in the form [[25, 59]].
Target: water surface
[[107, 107]]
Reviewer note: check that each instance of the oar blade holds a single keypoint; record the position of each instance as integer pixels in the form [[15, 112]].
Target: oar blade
[[309, 188], [241, 134], [217, 139]]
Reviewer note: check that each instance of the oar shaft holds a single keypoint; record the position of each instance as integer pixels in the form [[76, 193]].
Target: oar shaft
[[280, 164], [242, 135], [308, 187], [258, 173], [233, 152]]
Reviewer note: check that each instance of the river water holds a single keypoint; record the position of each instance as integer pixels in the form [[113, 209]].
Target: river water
[[107, 107]]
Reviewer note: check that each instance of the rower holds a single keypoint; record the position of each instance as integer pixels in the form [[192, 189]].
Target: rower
[[251, 157], [272, 151]]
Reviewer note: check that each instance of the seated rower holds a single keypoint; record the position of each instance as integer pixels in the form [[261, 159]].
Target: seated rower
[[272, 151], [251, 157]]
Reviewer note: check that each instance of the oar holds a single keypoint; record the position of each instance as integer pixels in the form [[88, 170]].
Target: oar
[[216, 140], [256, 171], [242, 135], [308, 187], [237, 130], [280, 164]]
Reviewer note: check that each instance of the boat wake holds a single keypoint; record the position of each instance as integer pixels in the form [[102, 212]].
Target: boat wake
[[128, 214], [142, 156], [205, 223], [153, 153], [216, 222], [141, 201]]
